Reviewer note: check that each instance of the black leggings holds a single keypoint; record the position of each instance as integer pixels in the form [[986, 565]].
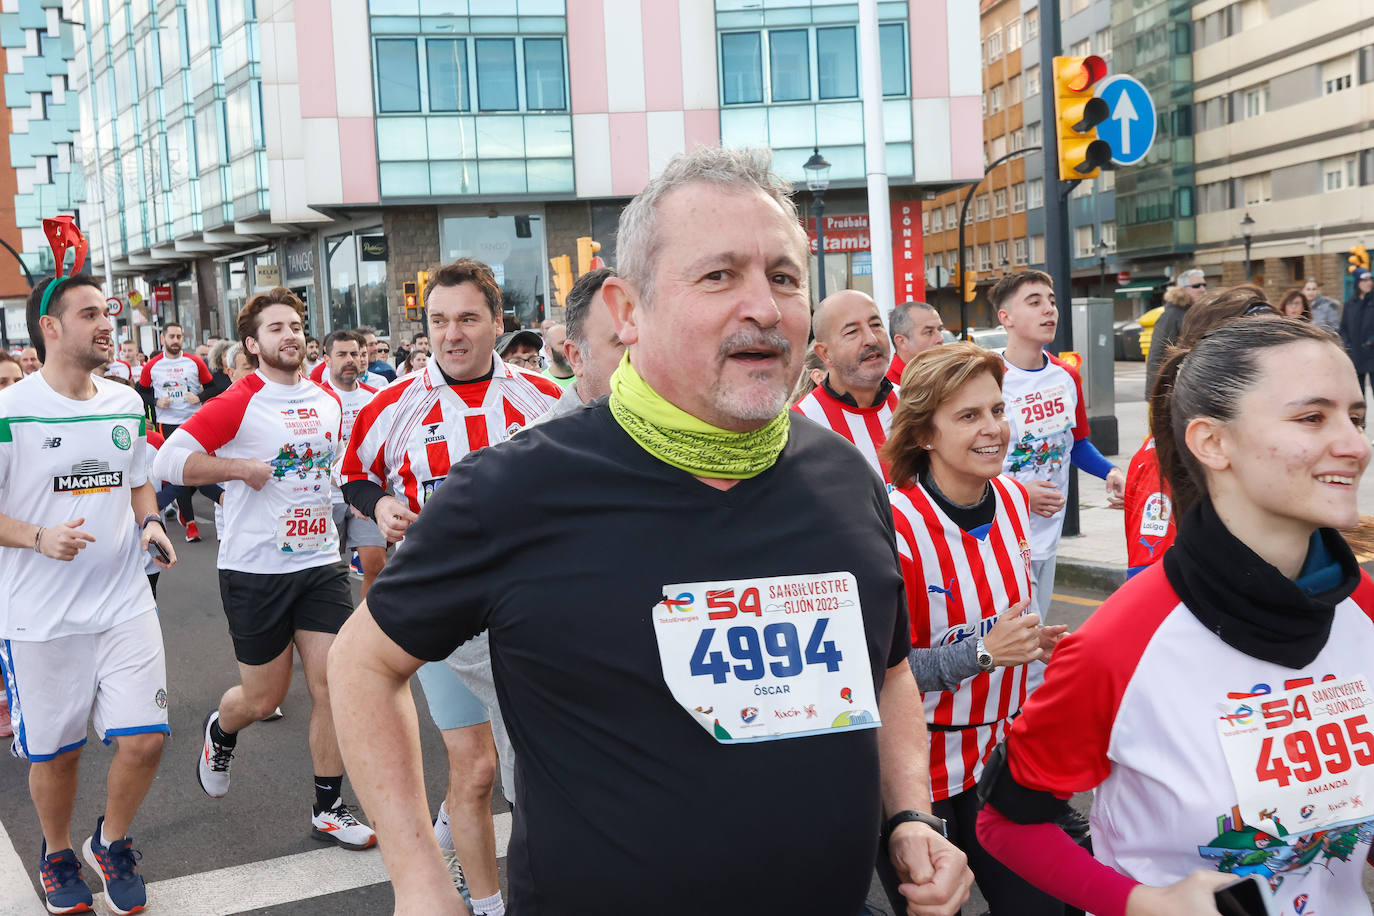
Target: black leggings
[[1007, 893]]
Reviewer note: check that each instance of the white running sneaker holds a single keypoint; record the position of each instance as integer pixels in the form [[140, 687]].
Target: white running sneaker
[[338, 825], [213, 767], [455, 869]]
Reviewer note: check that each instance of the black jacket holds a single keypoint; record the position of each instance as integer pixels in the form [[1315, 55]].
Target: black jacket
[[1357, 331], [1165, 333]]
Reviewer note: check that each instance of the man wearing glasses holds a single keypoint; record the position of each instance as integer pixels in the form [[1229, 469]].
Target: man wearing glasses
[[521, 349], [1192, 286]]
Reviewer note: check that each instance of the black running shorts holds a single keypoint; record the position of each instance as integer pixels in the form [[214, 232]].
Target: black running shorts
[[266, 609]]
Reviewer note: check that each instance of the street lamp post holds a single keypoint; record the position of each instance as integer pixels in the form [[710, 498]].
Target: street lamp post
[[1247, 229], [817, 180], [1101, 268]]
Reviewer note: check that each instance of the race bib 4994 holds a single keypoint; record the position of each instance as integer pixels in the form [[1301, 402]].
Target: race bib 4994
[[770, 658]]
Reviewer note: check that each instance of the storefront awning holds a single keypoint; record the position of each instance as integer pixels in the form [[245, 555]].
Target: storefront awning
[[1139, 288]]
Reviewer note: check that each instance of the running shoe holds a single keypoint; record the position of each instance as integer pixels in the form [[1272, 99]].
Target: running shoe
[[192, 533], [63, 889], [338, 825], [6, 727], [355, 565], [118, 868], [455, 869], [1075, 825], [274, 715], [213, 767], [170, 510]]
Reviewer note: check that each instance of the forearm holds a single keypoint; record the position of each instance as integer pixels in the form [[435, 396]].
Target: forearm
[[379, 737], [363, 495], [200, 468], [944, 667], [144, 502], [1086, 457], [903, 746], [15, 533]]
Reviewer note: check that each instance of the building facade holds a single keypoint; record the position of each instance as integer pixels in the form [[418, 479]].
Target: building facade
[[339, 147], [1282, 92]]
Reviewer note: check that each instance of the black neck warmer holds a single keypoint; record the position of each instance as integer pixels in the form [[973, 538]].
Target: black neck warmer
[[1248, 604]]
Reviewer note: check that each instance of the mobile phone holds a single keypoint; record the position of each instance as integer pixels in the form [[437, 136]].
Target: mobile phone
[[1250, 896], [159, 551]]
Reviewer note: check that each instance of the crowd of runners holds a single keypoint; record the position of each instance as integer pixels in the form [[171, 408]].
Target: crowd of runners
[[774, 616]]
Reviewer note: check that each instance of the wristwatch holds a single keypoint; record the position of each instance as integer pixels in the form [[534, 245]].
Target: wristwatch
[[905, 817], [153, 518], [980, 652]]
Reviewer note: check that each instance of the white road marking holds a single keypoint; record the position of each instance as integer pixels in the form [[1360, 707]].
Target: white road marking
[[256, 885]]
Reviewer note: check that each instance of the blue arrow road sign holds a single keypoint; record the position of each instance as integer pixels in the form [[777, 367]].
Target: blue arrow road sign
[[1130, 126]]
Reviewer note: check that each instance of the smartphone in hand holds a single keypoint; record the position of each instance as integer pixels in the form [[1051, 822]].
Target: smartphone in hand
[[1250, 896], [159, 552]]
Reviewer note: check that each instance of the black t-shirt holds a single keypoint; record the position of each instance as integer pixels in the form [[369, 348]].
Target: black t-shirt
[[560, 542]]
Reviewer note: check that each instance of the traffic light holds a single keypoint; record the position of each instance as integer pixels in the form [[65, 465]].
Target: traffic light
[[1359, 259], [970, 286], [562, 277], [421, 284], [1078, 112], [586, 255], [412, 299]]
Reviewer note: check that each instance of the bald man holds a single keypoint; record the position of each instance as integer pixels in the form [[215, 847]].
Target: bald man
[[29, 361], [855, 398]]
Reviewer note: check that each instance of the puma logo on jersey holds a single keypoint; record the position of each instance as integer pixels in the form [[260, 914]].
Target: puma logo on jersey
[[937, 590], [54, 442]]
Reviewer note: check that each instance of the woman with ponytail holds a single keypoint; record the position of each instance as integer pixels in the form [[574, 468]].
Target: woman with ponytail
[[1218, 703]]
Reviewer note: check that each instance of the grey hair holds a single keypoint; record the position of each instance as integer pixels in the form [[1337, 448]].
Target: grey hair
[[637, 241], [901, 321], [229, 355], [1183, 277], [217, 357]]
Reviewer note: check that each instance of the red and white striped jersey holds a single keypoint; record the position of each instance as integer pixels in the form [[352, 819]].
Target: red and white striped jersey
[[866, 427], [956, 586], [352, 403], [287, 525], [408, 436]]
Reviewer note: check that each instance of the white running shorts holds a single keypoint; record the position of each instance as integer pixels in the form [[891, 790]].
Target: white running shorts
[[117, 679]]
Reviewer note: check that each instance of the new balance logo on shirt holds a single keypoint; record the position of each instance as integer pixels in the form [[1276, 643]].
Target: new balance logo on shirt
[[54, 442]]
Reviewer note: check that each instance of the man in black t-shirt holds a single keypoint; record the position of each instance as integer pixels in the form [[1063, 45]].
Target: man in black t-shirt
[[693, 696]]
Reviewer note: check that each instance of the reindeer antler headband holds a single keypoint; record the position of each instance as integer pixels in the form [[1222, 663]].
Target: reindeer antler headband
[[63, 235]]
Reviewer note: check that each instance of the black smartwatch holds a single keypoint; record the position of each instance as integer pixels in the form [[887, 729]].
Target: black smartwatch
[[153, 518], [905, 817]]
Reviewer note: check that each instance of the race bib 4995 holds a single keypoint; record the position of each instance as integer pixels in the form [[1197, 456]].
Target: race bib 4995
[[770, 658]]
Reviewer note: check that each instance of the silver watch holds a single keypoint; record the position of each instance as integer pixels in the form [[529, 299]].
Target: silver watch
[[984, 657]]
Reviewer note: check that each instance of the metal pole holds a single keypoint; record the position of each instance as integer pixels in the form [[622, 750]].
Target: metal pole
[[1102, 277], [1247, 259], [963, 221], [875, 161], [820, 243]]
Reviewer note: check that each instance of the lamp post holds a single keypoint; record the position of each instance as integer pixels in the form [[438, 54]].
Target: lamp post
[[1247, 229], [1101, 247], [817, 180]]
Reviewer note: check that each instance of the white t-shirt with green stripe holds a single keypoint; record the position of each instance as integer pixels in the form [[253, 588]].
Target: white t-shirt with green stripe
[[60, 460]]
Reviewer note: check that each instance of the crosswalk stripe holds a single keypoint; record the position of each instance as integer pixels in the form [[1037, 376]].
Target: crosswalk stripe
[[256, 885]]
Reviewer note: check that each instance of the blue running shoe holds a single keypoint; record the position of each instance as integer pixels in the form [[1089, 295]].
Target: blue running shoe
[[117, 864], [63, 889], [355, 566]]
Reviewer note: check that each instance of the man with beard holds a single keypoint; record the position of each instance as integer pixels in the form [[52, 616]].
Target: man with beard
[[855, 398], [272, 438], [173, 384], [558, 368], [79, 634], [29, 360], [715, 504]]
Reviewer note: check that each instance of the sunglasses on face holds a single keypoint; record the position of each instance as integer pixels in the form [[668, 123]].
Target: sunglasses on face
[[1197, 286]]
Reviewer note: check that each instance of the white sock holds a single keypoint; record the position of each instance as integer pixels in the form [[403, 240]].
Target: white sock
[[104, 838], [489, 906], [441, 831]]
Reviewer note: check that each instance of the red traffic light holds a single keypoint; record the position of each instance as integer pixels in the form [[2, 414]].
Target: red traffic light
[[1092, 69]]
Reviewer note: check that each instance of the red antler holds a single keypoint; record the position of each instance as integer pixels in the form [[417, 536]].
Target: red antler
[[63, 234]]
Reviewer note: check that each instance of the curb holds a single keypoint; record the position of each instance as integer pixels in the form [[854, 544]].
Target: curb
[[1078, 574]]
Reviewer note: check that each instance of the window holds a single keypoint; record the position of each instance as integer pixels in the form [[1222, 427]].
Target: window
[[925, 221], [1019, 252], [1002, 260], [1071, 7], [1255, 100], [1032, 24], [1338, 74], [1015, 30], [1256, 189], [1018, 197], [999, 202], [398, 75], [995, 99], [741, 61], [496, 75], [1107, 180], [1080, 48], [995, 46], [1338, 173], [1013, 90], [837, 63], [1035, 191], [1103, 40], [949, 215], [1037, 249], [1109, 233], [985, 257], [447, 62], [1083, 242], [1018, 139], [1033, 80], [789, 65], [544, 83], [1082, 189], [997, 148], [892, 47], [937, 222], [1033, 134], [980, 207]]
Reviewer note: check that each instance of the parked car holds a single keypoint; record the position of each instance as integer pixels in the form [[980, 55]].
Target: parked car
[[988, 338], [1147, 325], [1126, 339]]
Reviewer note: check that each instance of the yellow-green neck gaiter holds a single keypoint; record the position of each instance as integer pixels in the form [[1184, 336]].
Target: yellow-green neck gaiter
[[675, 437]]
